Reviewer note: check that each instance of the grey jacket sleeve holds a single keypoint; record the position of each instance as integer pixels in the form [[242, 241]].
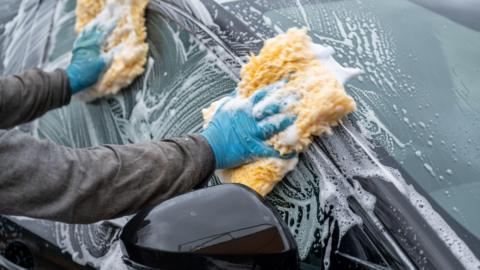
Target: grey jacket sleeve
[[26, 97], [41, 179]]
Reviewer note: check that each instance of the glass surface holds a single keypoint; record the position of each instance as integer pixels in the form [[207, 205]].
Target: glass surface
[[166, 101], [419, 98]]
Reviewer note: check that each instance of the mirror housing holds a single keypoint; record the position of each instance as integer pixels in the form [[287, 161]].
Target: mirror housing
[[222, 227]]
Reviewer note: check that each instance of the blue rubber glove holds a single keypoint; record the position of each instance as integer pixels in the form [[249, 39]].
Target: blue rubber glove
[[238, 130], [87, 62]]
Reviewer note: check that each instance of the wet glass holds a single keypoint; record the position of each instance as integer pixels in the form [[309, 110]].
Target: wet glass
[[181, 79], [419, 98]]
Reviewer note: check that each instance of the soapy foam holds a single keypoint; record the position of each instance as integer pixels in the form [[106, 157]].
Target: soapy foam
[[291, 136], [113, 260], [273, 97], [325, 54], [458, 247], [233, 104]]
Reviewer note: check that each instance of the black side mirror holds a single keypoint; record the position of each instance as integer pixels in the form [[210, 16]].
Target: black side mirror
[[221, 227]]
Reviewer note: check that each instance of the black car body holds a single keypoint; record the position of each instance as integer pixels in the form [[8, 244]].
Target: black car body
[[369, 196]]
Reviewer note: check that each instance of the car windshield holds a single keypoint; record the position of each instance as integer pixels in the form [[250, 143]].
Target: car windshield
[[419, 98]]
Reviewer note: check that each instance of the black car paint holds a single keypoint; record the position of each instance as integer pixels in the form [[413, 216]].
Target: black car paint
[[223, 226], [24, 249]]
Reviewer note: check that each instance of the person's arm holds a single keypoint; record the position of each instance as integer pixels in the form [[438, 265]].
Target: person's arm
[[44, 180], [26, 97], [41, 179]]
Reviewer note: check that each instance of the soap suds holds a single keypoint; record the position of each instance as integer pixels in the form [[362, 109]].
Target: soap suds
[[233, 104], [114, 259], [291, 136]]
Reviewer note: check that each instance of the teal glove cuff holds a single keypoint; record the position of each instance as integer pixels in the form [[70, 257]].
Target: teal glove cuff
[[87, 61], [84, 73]]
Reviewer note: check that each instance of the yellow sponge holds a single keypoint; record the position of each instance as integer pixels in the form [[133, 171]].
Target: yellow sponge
[[127, 43], [315, 77]]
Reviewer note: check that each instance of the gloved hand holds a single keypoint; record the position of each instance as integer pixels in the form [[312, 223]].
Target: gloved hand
[[239, 128], [88, 62]]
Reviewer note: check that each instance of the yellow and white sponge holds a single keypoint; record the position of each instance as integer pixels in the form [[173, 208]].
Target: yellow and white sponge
[[127, 44], [311, 72]]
